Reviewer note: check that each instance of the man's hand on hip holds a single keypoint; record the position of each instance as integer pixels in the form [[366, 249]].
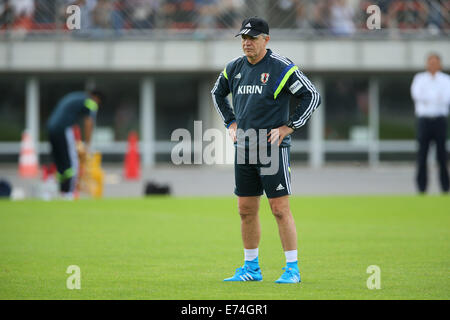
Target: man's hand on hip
[[232, 131], [278, 134]]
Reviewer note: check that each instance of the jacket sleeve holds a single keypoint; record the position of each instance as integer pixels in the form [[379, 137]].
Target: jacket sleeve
[[300, 86], [219, 95]]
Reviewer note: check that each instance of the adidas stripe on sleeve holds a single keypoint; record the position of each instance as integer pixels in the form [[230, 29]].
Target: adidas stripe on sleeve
[[301, 87], [295, 82]]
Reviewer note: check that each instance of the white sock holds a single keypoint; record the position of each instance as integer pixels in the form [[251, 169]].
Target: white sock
[[250, 254], [291, 256]]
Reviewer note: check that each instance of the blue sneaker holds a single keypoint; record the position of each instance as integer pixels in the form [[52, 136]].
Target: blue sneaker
[[290, 275], [245, 273]]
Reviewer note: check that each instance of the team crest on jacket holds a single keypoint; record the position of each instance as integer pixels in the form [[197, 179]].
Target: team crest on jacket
[[264, 77]]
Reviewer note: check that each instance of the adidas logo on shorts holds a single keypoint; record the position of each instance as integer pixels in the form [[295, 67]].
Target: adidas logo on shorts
[[280, 187]]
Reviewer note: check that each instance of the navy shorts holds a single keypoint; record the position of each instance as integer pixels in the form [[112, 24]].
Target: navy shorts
[[250, 181]]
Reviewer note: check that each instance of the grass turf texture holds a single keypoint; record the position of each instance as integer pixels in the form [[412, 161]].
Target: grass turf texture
[[182, 248]]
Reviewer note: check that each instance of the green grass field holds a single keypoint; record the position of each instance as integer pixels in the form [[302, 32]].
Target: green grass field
[[182, 248]]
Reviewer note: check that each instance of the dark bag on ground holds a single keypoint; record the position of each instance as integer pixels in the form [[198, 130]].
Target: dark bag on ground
[[154, 188]]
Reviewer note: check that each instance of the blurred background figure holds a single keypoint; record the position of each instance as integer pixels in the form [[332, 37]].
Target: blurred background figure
[[119, 15], [143, 13], [439, 16], [229, 13], [284, 13], [208, 11], [101, 14], [6, 14], [23, 12], [431, 93], [69, 110], [45, 14], [180, 14], [341, 18], [408, 14], [321, 15]]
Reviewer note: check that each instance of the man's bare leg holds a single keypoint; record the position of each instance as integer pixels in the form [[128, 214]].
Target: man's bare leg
[[285, 220], [288, 235], [251, 234], [250, 225]]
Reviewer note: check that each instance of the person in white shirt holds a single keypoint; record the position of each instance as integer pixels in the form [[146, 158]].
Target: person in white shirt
[[430, 91]]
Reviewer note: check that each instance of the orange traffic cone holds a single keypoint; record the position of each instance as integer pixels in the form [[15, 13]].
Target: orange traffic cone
[[28, 162], [132, 165]]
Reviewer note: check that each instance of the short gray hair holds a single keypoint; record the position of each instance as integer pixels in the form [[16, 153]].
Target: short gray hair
[[434, 55]]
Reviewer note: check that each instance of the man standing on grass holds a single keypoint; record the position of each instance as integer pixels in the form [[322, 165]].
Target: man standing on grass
[[70, 109], [261, 83], [430, 91]]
